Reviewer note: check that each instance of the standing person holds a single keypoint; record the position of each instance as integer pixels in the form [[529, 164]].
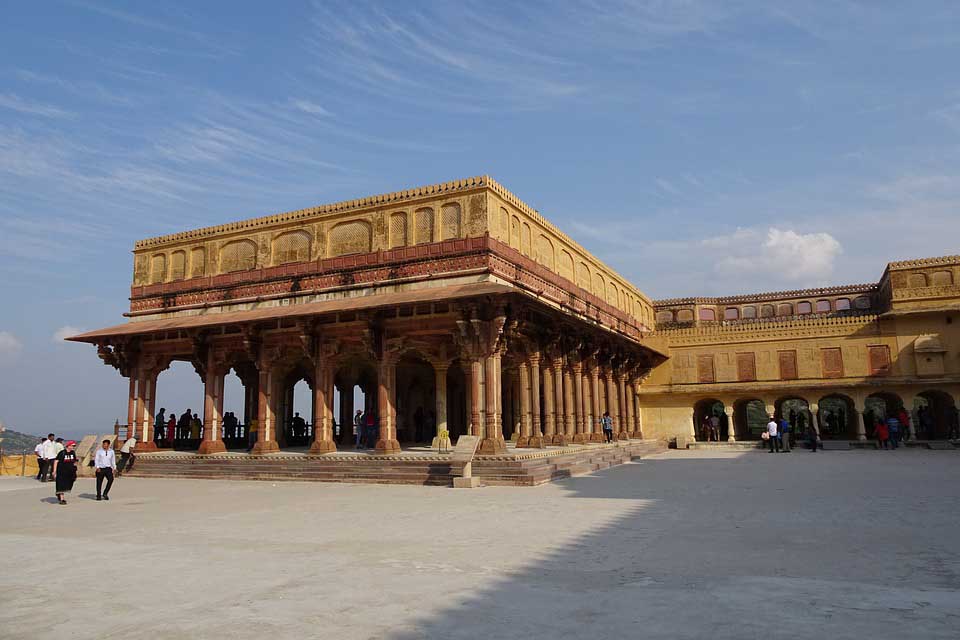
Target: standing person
[[49, 455], [65, 470], [904, 419], [370, 431], [954, 420], [158, 425], [925, 418], [715, 427], [606, 423], [126, 455], [893, 430], [106, 463], [705, 428], [772, 432], [38, 451], [195, 426], [882, 434], [358, 429], [183, 425], [785, 434], [812, 438], [171, 429]]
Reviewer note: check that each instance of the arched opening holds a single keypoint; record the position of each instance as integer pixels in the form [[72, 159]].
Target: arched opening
[[880, 406], [750, 419], [796, 411], [240, 401], [936, 415], [456, 401], [837, 417], [355, 403], [294, 406], [710, 420], [416, 400], [179, 394]]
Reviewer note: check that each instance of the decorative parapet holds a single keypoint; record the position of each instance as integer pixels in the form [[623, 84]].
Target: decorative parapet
[[767, 325], [923, 262], [772, 296]]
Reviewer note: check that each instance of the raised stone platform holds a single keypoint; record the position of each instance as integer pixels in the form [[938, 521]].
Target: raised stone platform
[[518, 467]]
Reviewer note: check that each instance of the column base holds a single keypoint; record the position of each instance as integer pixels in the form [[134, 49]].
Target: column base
[[636, 435], [265, 446], [323, 446], [623, 435], [597, 437], [145, 447], [535, 442], [492, 446], [560, 440], [731, 439], [581, 438], [523, 442], [387, 447], [208, 447], [438, 442]]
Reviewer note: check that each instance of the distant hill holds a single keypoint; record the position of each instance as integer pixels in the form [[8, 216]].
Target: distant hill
[[15, 442]]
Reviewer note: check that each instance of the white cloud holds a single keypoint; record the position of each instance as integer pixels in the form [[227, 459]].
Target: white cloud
[[15, 103], [65, 332], [309, 107], [780, 254], [9, 347]]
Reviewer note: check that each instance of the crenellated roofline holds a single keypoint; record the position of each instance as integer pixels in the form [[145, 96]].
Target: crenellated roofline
[[769, 296]]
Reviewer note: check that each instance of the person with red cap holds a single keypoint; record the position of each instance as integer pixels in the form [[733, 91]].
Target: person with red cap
[[65, 470]]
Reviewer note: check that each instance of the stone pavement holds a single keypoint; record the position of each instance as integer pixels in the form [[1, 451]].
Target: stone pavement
[[687, 544]]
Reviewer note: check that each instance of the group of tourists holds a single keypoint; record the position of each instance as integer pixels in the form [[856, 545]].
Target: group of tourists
[[778, 434], [57, 461], [893, 429], [710, 428], [187, 427]]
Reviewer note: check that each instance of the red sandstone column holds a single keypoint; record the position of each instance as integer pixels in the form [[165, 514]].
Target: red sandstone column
[[145, 406], [132, 406], [265, 412], [323, 408], [612, 401], [523, 440], [569, 415], [476, 376], [386, 440], [212, 409], [440, 382], [596, 433], [579, 435], [536, 437], [550, 428], [560, 437], [624, 431], [630, 401], [493, 442]]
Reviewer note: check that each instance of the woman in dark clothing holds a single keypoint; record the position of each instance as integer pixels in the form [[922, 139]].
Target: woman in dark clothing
[[65, 470]]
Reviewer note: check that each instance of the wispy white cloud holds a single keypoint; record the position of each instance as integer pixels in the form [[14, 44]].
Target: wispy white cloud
[[309, 107], [15, 103], [93, 90], [65, 332], [10, 347]]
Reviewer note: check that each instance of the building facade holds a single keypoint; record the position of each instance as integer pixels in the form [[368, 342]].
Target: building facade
[[456, 308]]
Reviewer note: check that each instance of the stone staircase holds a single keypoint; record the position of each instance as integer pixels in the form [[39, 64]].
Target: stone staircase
[[527, 467]]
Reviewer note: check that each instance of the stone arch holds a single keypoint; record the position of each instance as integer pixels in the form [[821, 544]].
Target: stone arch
[[398, 230], [545, 255], [750, 418], [599, 285], [583, 275], [450, 221], [612, 294], [880, 406], [861, 302], [917, 280], [804, 307], [238, 255], [665, 315], [515, 233], [566, 265], [353, 236], [841, 304], [525, 239], [415, 399], [709, 408], [158, 268], [784, 309], [423, 225], [749, 312], [198, 259], [708, 314], [291, 246], [941, 279], [936, 415], [796, 411], [685, 315], [837, 417], [823, 306], [767, 311], [505, 223], [178, 265]]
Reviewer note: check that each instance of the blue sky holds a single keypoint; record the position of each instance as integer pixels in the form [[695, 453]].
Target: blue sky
[[697, 147]]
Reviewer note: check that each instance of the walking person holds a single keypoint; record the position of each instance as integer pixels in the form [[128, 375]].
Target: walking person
[[606, 423], [772, 434], [49, 453], [358, 429], [38, 451], [126, 456], [893, 429], [882, 434], [785, 434], [65, 470], [106, 463]]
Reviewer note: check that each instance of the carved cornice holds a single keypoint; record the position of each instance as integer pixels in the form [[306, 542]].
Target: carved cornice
[[772, 296], [923, 262]]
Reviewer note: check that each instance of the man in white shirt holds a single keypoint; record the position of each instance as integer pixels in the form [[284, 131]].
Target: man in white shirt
[[126, 455], [38, 450], [105, 462], [772, 431], [49, 453]]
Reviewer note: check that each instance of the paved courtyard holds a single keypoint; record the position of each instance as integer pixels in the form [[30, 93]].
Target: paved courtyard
[[859, 544]]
